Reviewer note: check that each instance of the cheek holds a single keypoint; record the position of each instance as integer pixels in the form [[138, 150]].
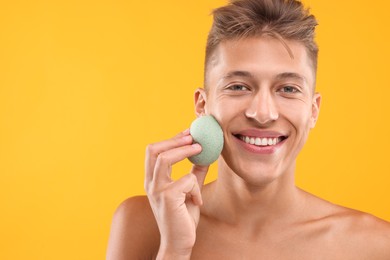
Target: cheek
[[224, 109], [298, 113]]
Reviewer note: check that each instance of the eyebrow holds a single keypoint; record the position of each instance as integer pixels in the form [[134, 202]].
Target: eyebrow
[[247, 74], [238, 73], [291, 75]]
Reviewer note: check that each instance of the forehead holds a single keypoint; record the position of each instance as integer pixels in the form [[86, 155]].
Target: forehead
[[263, 56]]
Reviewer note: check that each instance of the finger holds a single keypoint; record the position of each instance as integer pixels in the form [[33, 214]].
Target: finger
[[153, 150], [188, 185], [165, 160], [200, 172]]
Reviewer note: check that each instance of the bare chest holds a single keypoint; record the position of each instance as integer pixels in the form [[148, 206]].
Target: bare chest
[[234, 243]]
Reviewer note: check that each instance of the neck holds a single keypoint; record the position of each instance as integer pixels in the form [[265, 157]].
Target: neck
[[272, 201]]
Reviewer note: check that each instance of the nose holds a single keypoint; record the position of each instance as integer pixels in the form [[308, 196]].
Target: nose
[[262, 108]]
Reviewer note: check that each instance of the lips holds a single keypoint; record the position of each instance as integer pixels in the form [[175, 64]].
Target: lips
[[260, 141]]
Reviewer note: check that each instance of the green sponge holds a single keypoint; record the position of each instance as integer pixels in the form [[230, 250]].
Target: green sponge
[[208, 133]]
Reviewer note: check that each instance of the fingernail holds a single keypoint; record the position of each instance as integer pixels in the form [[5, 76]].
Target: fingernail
[[186, 132], [196, 146], [187, 138]]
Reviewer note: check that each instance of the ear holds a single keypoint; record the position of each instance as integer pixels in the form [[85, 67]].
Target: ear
[[316, 102], [200, 98]]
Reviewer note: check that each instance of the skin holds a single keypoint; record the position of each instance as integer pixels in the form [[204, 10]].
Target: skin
[[253, 210]]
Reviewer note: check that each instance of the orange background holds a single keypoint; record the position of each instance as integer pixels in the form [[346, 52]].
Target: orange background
[[86, 85]]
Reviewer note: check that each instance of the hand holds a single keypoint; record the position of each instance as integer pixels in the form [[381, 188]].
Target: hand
[[175, 204]]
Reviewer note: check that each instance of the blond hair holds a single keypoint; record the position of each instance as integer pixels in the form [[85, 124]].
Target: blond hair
[[282, 19]]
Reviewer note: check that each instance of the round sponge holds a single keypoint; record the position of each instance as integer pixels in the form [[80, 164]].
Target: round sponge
[[207, 132]]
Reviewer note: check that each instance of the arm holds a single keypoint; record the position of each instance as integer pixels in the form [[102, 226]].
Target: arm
[[175, 204], [162, 226], [134, 232]]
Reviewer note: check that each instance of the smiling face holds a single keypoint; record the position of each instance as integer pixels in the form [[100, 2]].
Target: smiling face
[[263, 98]]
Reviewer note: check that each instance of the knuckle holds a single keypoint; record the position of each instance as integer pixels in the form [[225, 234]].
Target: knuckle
[[146, 186], [163, 159], [177, 141], [160, 196], [192, 177], [151, 149], [151, 190]]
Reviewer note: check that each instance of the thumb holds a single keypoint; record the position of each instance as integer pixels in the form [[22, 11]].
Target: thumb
[[200, 172]]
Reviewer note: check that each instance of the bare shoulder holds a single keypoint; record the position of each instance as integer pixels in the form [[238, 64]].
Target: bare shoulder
[[366, 233], [357, 235], [134, 232], [347, 233]]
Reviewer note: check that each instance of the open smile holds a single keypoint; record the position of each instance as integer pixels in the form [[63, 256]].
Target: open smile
[[265, 141], [261, 144]]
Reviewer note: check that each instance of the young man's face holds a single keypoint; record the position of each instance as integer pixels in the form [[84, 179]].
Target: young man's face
[[263, 98]]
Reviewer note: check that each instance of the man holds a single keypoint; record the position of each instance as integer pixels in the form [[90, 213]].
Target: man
[[260, 74]]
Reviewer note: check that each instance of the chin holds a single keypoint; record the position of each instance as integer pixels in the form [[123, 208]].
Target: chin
[[255, 173]]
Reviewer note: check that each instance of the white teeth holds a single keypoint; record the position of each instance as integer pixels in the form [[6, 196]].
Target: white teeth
[[260, 141]]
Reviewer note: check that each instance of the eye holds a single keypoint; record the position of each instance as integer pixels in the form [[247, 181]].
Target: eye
[[237, 87], [289, 89]]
